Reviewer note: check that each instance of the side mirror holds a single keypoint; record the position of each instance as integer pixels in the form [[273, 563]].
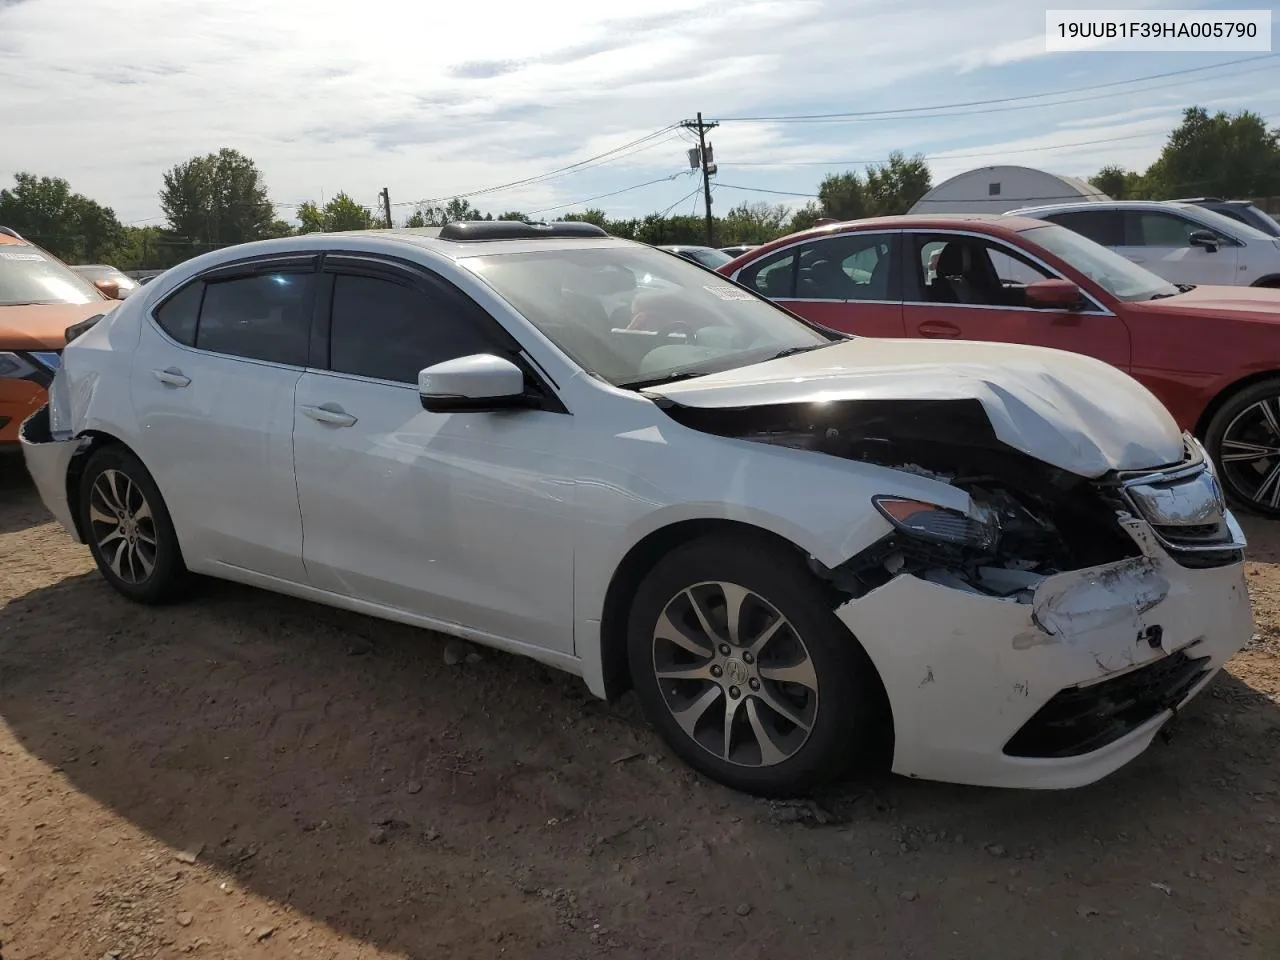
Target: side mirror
[[1062, 294], [475, 384], [1204, 238], [110, 288]]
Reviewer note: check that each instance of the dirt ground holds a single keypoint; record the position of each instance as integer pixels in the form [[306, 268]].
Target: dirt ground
[[248, 776]]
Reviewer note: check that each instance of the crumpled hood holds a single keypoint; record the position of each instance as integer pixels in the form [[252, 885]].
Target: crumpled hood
[[1065, 409]]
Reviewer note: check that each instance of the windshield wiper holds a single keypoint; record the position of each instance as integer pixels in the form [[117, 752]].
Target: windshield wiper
[[792, 351], [665, 378], [1182, 288]]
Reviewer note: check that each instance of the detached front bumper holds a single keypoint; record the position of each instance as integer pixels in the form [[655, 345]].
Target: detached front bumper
[[48, 461]]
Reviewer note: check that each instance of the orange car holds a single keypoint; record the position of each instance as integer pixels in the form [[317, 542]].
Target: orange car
[[39, 298]]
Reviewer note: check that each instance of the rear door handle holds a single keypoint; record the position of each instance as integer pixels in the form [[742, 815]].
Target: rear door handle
[[329, 413], [938, 328], [171, 377]]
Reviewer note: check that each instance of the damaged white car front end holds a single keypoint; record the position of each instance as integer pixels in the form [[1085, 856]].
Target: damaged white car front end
[[1043, 634], [1027, 680]]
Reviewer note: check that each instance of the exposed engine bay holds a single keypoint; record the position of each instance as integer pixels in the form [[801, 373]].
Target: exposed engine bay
[[1029, 519]]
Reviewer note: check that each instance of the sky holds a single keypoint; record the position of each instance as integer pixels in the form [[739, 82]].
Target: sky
[[434, 99]]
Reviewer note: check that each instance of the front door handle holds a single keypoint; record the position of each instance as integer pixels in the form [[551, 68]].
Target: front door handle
[[938, 328], [329, 413], [171, 377]]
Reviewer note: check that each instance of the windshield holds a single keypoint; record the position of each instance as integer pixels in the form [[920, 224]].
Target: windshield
[[1272, 227], [634, 315], [28, 275], [1121, 278], [1228, 226]]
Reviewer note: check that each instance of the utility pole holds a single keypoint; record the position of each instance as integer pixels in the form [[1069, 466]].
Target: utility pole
[[705, 159], [386, 205]]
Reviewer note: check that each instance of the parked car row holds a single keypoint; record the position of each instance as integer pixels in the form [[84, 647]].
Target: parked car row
[[807, 553]]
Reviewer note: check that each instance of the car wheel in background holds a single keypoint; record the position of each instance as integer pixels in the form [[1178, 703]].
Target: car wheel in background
[[741, 665], [128, 529], [1243, 439]]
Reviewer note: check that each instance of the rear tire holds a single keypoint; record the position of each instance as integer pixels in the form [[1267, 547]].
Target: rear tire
[[762, 688], [128, 529]]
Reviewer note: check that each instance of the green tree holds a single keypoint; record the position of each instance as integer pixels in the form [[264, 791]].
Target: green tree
[[843, 196], [1221, 154], [340, 213], [754, 223], [457, 209], [893, 187], [805, 217], [217, 200], [68, 225], [513, 215], [1112, 180]]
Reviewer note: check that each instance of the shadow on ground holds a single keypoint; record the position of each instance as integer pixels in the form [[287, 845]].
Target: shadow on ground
[[333, 763]]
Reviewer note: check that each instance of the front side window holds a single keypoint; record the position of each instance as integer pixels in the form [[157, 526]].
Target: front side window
[[634, 315], [28, 276], [972, 271], [388, 330], [264, 316], [1143, 228]]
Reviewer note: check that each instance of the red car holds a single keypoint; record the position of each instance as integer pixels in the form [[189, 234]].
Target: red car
[[1210, 354]]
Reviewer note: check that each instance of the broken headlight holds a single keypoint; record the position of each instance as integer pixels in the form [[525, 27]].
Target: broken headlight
[[928, 521]]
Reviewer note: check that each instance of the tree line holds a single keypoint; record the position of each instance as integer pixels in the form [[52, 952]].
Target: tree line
[[221, 199]]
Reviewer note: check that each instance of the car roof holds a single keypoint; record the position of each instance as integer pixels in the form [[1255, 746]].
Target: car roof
[[1107, 205], [997, 224]]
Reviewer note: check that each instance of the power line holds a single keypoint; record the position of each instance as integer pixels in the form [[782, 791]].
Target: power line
[[608, 156], [692, 193], [900, 113], [637, 186], [932, 156], [781, 193]]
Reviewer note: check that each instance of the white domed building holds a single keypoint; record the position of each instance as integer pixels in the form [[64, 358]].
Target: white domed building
[[1000, 189]]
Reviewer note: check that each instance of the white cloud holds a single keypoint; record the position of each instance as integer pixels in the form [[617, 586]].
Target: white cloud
[[436, 99]]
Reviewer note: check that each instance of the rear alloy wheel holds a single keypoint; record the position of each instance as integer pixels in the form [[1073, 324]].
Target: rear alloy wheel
[[1244, 440], [127, 527], [745, 671]]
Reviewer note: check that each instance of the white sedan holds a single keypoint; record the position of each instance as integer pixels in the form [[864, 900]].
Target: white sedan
[[806, 553]]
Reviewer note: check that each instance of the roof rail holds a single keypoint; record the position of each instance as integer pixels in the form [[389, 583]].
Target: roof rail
[[515, 230], [1199, 200], [9, 231]]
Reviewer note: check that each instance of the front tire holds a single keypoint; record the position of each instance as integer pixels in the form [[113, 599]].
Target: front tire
[[128, 529], [744, 670], [1243, 438]]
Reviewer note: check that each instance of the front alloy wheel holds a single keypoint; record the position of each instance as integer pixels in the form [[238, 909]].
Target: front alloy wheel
[[735, 674], [745, 671]]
